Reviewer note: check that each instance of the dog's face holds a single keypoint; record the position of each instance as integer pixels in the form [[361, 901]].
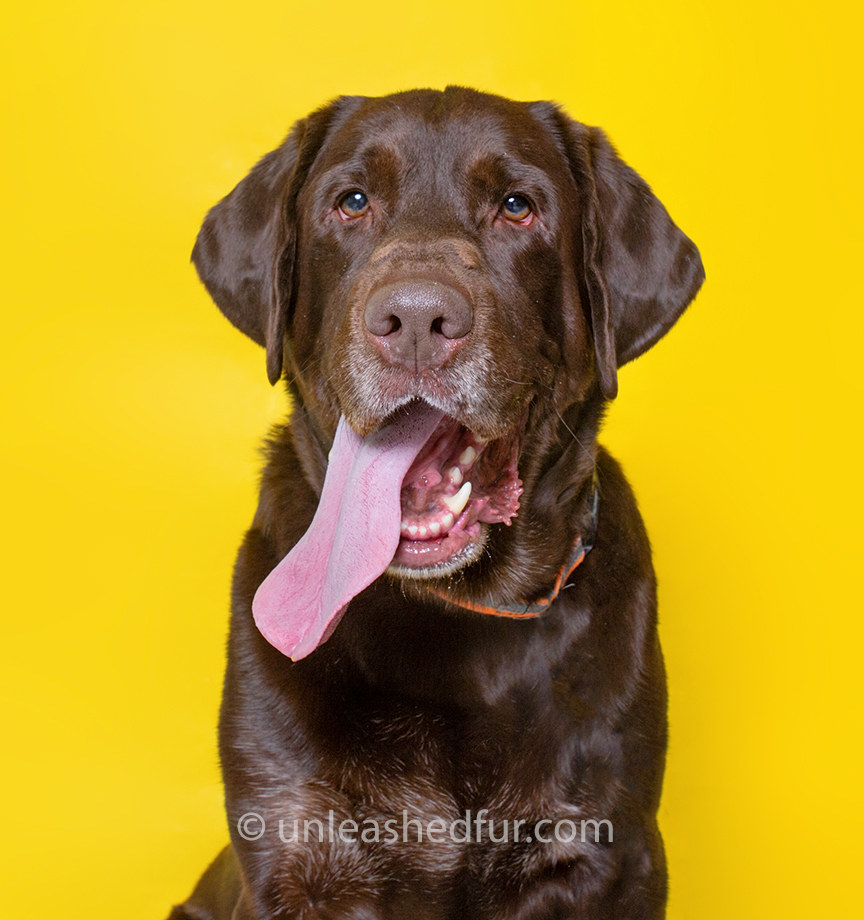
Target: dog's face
[[439, 241], [491, 259]]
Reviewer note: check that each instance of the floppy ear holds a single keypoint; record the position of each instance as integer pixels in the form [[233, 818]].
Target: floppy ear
[[245, 249], [641, 271]]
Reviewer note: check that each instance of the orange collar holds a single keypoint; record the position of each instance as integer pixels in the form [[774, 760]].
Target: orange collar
[[522, 610]]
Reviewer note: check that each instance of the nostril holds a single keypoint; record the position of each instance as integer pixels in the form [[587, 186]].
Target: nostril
[[382, 322], [456, 323]]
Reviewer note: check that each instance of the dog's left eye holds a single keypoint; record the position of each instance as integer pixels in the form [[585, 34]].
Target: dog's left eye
[[353, 204], [518, 209]]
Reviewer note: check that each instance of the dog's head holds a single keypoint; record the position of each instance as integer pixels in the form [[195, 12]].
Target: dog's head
[[493, 260]]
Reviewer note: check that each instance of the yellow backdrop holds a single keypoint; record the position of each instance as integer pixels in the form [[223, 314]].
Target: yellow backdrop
[[132, 413]]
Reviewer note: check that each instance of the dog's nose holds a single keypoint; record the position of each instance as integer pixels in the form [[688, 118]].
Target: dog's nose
[[418, 324]]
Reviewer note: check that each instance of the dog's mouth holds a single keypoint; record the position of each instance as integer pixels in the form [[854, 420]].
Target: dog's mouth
[[413, 498], [457, 483]]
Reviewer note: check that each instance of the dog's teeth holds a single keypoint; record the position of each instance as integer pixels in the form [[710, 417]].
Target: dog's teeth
[[457, 502], [412, 530], [421, 530], [455, 475], [404, 526], [468, 456], [435, 529], [447, 521]]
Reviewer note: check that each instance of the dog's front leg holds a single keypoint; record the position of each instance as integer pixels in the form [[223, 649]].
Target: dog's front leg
[[296, 867], [584, 879]]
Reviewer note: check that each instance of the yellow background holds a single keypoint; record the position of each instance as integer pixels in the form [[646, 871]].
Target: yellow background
[[132, 413]]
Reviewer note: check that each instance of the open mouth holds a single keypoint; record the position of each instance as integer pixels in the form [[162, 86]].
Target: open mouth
[[458, 483], [413, 498]]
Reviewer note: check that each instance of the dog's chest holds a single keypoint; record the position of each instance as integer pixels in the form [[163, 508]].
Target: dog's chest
[[432, 792]]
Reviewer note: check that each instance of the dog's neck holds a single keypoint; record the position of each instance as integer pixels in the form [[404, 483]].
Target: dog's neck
[[528, 609]]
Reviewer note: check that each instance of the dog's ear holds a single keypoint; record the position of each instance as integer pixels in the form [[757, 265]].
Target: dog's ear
[[244, 253], [640, 270]]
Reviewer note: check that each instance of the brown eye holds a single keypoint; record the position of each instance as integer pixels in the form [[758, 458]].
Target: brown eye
[[518, 209], [353, 204]]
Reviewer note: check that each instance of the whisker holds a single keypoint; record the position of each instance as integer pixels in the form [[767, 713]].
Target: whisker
[[572, 433]]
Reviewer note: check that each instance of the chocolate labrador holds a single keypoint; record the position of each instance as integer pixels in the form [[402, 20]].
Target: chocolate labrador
[[445, 695]]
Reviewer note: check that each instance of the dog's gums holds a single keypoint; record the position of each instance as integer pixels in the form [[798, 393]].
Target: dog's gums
[[457, 483]]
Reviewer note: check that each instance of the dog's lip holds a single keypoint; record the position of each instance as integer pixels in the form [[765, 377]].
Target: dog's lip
[[481, 429], [425, 559], [405, 403]]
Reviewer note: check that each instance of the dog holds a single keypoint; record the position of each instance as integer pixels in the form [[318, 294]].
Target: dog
[[443, 663]]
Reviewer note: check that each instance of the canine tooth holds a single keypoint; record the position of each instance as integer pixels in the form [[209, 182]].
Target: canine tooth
[[412, 530], [447, 521], [404, 526], [422, 531], [468, 456], [435, 529], [455, 475], [458, 501]]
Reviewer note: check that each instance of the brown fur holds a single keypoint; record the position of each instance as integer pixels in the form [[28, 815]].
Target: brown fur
[[413, 703]]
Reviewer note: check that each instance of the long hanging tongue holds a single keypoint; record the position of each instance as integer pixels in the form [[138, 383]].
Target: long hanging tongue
[[352, 538]]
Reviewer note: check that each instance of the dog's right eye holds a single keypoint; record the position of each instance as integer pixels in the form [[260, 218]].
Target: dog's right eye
[[517, 209], [353, 204]]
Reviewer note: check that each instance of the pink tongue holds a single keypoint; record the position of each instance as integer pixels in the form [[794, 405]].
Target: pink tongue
[[352, 538]]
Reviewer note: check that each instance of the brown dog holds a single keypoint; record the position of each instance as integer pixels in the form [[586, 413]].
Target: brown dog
[[474, 720]]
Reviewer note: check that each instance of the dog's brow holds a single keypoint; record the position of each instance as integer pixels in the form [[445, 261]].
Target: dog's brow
[[378, 164], [382, 163], [502, 169]]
